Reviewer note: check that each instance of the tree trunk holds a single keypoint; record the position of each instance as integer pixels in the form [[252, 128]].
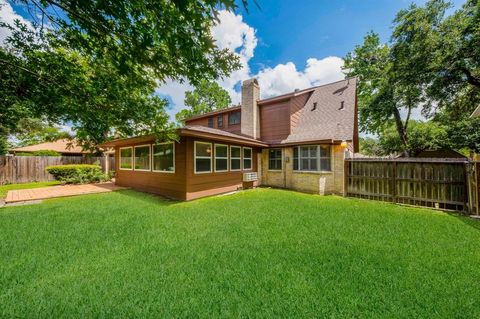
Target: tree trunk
[[401, 130]]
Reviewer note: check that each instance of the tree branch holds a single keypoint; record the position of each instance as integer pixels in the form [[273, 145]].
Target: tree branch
[[471, 79]]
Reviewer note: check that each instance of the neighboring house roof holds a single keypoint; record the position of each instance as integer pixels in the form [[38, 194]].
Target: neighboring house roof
[[329, 114], [476, 113], [61, 146], [443, 153]]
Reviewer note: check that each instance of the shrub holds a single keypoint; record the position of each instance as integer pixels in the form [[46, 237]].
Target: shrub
[[78, 173], [40, 153]]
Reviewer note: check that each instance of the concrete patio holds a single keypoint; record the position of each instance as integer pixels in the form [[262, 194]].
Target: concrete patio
[[26, 195]]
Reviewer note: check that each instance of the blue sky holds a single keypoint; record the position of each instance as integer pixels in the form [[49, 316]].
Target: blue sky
[[292, 30], [285, 44]]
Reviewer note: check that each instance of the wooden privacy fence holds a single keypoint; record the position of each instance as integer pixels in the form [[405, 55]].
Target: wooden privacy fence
[[25, 169], [437, 183]]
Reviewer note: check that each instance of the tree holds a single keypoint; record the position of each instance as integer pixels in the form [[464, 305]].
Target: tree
[[97, 64], [206, 97], [170, 38]]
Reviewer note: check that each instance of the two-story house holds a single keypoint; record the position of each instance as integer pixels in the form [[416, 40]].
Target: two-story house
[[296, 140]]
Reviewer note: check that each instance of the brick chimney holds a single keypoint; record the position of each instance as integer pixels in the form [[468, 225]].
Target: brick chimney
[[250, 114]]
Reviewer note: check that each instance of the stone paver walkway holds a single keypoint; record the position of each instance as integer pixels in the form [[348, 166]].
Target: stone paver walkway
[[23, 195]]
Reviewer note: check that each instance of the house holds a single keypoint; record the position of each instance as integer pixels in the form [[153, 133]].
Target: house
[[476, 113], [65, 147], [296, 140]]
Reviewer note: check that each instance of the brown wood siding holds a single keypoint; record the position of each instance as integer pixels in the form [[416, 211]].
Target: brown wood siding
[[206, 184], [236, 129], [296, 105], [167, 184], [274, 122]]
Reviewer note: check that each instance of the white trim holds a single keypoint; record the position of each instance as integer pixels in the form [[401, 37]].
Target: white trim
[[167, 172], [251, 159], [215, 158], [201, 157], [232, 158], [120, 159], [149, 158]]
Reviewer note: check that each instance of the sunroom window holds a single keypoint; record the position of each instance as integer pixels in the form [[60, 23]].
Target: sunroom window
[[247, 158], [142, 158], [221, 158], [235, 158], [203, 157], [126, 158], [164, 157]]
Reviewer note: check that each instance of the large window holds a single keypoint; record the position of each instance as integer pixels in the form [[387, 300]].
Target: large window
[[275, 159], [247, 158], [126, 158], [203, 157], [142, 158], [234, 118], [312, 158], [221, 158], [235, 158], [164, 157]]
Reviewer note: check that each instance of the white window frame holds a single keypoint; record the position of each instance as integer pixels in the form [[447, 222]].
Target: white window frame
[[202, 157], [159, 171], [120, 159], [320, 170], [149, 158], [243, 159], [232, 158], [227, 158], [281, 160]]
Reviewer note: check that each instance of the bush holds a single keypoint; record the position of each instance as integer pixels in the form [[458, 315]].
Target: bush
[[40, 153], [78, 173]]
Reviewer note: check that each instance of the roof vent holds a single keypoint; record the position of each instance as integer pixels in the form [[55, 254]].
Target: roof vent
[[342, 105], [314, 107], [296, 90]]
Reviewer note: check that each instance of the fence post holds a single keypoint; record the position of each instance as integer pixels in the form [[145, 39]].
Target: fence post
[[346, 167], [394, 196]]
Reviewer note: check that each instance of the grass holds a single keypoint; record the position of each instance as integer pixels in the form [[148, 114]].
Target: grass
[[259, 253], [9, 187]]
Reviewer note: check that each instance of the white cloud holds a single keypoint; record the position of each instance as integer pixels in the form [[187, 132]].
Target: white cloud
[[233, 33], [8, 16]]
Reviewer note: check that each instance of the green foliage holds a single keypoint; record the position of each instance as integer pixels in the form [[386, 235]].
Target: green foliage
[[39, 153], [432, 63], [261, 253], [371, 146], [207, 97], [98, 64], [77, 173]]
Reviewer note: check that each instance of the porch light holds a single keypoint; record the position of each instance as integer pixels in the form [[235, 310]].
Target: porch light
[[343, 144]]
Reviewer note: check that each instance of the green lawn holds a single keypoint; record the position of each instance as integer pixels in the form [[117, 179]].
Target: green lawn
[[5, 188], [259, 253]]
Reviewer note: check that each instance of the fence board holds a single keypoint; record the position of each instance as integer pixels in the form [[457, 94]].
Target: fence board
[[441, 184], [25, 169]]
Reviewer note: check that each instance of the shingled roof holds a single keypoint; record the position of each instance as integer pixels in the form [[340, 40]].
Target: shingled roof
[[329, 114], [64, 146]]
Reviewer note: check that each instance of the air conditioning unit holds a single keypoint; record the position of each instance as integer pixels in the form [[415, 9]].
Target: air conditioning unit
[[250, 177]]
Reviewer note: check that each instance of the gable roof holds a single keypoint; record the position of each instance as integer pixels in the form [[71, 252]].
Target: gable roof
[[61, 146], [324, 118], [226, 110]]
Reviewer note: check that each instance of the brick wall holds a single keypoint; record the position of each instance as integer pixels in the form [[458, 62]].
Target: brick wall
[[318, 182]]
